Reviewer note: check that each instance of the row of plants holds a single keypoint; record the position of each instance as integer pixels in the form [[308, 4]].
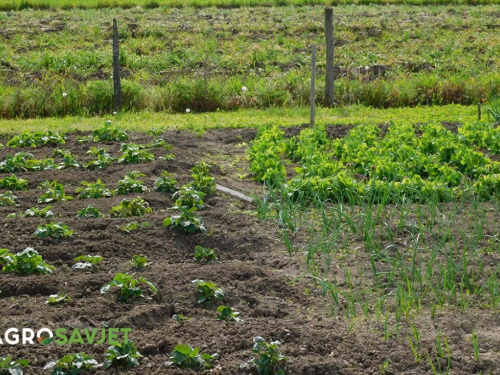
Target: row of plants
[[419, 162]]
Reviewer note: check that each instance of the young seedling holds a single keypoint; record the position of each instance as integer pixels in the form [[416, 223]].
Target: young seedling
[[8, 199], [475, 344], [130, 184], [166, 183], [187, 197], [122, 355], [27, 139], [203, 180], [208, 291], [103, 161], [72, 364], [54, 193], [88, 261], [204, 254], [131, 207], [57, 299], [228, 314], [186, 221], [93, 190], [27, 262], [128, 286], [69, 161], [13, 183], [109, 133], [139, 262], [89, 212], [184, 356], [133, 154], [53, 230], [39, 212], [10, 367], [180, 317], [269, 359]]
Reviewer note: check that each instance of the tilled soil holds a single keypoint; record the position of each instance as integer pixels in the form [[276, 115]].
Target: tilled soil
[[260, 279]]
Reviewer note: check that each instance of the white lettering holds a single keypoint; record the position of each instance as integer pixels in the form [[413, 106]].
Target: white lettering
[[15, 336], [46, 330], [28, 336]]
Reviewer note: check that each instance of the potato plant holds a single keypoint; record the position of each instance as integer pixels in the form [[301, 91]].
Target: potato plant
[[188, 197], [54, 193], [123, 355], [131, 207], [128, 287], [185, 356], [13, 183], [186, 221], [53, 230], [203, 180], [103, 161], [89, 212], [39, 212], [72, 364], [57, 299], [8, 366], [27, 262], [109, 133], [269, 359], [8, 199], [93, 190], [131, 184], [27, 139], [208, 291], [87, 261], [139, 262], [166, 183], [204, 254], [228, 314], [133, 154]]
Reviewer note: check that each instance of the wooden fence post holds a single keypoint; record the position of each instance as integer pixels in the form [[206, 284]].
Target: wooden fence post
[[117, 87], [313, 84], [330, 78]]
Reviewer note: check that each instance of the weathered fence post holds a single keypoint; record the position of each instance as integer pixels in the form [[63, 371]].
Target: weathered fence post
[[313, 84], [117, 87], [330, 78]]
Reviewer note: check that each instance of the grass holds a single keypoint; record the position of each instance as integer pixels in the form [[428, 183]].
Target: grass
[[68, 4], [178, 58], [200, 122]]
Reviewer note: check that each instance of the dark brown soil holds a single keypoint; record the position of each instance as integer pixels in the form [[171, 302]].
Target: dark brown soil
[[255, 271]]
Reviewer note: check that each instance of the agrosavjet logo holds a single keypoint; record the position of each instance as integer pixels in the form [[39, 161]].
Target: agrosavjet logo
[[63, 336]]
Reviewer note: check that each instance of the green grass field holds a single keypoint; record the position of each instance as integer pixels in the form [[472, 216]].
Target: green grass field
[[201, 58]]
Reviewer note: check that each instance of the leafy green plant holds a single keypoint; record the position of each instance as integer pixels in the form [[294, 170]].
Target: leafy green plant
[[54, 193], [27, 139], [72, 364], [57, 299], [128, 286], [139, 262], [228, 314], [184, 356], [103, 161], [132, 153], [204, 254], [27, 262], [18, 162], [493, 108], [166, 183], [93, 190], [269, 360], [10, 367], [186, 221], [188, 198], [68, 161], [122, 355], [88, 261], [180, 317], [130, 184], [53, 230], [8, 199], [208, 291], [89, 212], [39, 212], [109, 133], [203, 180], [13, 183], [131, 207]]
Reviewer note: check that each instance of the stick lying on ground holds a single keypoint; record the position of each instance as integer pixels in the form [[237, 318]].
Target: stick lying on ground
[[233, 193]]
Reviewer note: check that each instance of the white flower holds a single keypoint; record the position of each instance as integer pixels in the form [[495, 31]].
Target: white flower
[[244, 88], [114, 113], [367, 67], [65, 94], [188, 110]]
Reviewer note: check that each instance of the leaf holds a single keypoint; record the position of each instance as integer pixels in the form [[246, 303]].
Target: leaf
[[47, 341]]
